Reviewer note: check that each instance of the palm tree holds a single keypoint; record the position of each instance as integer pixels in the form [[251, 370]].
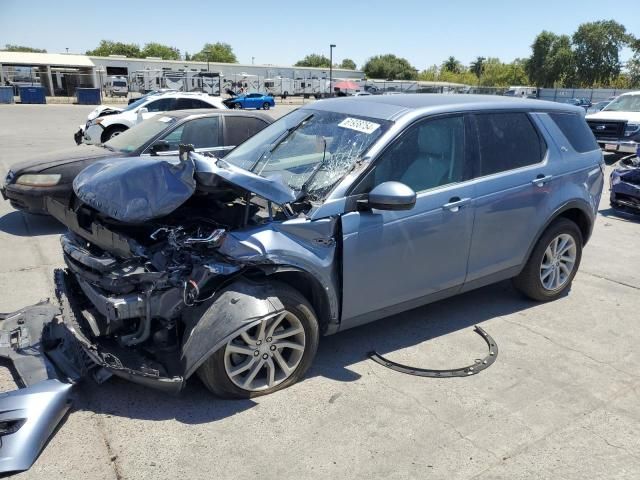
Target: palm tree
[[477, 67], [452, 64]]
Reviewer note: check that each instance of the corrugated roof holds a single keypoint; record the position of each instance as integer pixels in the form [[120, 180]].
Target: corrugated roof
[[54, 59]]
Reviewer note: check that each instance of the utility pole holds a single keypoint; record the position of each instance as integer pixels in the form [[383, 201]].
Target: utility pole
[[331, 47]]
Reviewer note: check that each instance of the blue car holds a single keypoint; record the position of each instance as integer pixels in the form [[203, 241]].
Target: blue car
[[251, 100]]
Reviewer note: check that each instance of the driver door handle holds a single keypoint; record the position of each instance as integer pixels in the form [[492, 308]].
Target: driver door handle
[[456, 203], [541, 179]]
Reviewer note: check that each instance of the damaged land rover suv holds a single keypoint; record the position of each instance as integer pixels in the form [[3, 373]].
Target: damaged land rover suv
[[340, 213]]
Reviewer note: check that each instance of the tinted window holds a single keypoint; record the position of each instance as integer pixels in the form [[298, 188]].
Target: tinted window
[[427, 155], [189, 103], [161, 105], [241, 128], [576, 130], [507, 141], [201, 133]]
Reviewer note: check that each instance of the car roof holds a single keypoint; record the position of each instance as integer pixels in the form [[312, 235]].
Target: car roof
[[392, 107], [210, 112]]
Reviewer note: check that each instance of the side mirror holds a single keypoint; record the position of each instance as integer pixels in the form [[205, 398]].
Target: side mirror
[[391, 196], [160, 146], [141, 111]]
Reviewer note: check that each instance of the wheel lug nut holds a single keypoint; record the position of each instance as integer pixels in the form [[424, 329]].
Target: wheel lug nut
[[265, 356], [259, 342], [269, 339], [256, 353], [273, 348]]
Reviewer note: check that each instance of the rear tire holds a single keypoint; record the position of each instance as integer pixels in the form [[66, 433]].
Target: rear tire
[[291, 336], [265, 106], [553, 263]]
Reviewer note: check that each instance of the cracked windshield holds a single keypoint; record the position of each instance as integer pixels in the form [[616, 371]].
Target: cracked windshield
[[309, 151]]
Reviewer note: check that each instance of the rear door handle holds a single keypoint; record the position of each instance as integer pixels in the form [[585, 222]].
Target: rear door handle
[[456, 203], [540, 180]]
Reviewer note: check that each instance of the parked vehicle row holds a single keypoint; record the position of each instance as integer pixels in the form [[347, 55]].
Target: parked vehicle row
[[338, 214], [215, 132], [104, 122]]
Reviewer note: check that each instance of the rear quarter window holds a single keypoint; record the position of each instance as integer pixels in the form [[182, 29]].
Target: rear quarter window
[[575, 128]]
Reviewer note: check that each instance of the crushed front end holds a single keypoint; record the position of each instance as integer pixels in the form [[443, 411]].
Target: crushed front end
[[625, 186]]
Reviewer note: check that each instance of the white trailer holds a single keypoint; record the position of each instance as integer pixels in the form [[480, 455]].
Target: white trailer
[[520, 91]]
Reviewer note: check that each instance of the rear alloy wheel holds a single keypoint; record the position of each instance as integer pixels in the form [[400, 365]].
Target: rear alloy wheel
[[266, 357], [553, 263], [266, 106]]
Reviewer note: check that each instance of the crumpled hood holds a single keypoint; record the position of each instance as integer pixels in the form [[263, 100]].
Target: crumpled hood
[[60, 157], [134, 190], [103, 110], [268, 188]]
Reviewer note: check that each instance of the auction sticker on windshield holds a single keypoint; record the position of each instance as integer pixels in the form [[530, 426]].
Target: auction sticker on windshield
[[359, 125]]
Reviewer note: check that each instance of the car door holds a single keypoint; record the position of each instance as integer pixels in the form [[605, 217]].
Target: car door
[[204, 133], [157, 106], [512, 192], [395, 260], [238, 128]]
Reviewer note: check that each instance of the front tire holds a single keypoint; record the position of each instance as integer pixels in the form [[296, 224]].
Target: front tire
[[111, 132], [269, 356], [553, 263], [237, 106]]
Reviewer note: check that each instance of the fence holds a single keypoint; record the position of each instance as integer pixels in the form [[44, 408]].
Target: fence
[[594, 95]]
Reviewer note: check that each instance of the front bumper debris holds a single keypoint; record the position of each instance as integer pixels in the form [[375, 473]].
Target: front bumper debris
[[29, 415], [477, 366]]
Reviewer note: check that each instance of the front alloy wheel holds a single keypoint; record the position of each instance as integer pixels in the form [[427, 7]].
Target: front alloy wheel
[[268, 356], [265, 355]]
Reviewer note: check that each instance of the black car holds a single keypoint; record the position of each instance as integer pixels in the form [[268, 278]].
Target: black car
[[28, 183]]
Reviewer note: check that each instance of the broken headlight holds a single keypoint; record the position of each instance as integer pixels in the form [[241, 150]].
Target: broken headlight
[[39, 179]]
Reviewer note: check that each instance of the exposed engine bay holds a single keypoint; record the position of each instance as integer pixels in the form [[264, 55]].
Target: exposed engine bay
[[625, 186]]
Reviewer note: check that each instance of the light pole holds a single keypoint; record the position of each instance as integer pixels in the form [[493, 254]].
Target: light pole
[[331, 47]]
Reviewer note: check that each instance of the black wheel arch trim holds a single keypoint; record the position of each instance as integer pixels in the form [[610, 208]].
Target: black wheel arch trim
[[576, 204]]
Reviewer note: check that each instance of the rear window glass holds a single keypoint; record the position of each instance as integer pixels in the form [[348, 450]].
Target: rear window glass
[[575, 128], [507, 141]]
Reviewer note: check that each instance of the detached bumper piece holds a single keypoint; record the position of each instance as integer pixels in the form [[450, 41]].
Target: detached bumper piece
[[29, 415], [476, 367], [625, 188]]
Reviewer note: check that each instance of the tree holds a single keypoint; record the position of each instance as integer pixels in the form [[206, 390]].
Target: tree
[[313, 60], [107, 47], [348, 64], [633, 66], [452, 65], [165, 52], [390, 67], [552, 61], [597, 47], [477, 67], [215, 52], [20, 48]]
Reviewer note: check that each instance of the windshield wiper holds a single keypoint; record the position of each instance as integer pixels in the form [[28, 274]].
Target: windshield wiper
[[286, 134], [305, 186]]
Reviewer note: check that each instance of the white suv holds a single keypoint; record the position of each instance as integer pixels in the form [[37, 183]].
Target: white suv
[[103, 123]]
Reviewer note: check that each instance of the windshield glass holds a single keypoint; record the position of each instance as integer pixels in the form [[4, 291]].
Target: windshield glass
[[138, 135], [309, 149], [625, 103]]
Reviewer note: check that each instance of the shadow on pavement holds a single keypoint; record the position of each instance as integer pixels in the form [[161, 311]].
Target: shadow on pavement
[[620, 215], [336, 353], [27, 225]]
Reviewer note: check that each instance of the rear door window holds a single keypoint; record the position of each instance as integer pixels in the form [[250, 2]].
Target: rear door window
[[189, 103], [238, 128], [507, 141], [575, 128], [201, 133]]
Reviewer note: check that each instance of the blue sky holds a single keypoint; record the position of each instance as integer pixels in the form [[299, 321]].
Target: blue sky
[[284, 31]]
